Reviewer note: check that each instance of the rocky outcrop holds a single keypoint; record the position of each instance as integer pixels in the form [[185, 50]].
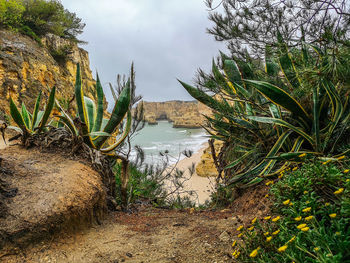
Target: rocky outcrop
[[183, 114], [206, 166], [27, 67]]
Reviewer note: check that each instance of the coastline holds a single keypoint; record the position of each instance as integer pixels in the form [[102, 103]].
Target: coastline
[[203, 186]]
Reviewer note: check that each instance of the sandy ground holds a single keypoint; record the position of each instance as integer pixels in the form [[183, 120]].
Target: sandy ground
[[152, 236], [203, 186]]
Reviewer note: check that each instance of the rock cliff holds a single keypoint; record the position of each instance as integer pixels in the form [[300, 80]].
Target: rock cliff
[[27, 67], [183, 114]]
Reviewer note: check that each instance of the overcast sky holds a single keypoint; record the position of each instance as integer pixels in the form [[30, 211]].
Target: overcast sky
[[166, 39]]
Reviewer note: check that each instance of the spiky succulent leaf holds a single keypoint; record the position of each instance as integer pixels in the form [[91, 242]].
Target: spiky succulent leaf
[[17, 117], [36, 110], [48, 109], [100, 97]]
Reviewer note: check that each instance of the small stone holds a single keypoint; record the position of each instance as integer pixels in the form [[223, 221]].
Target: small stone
[[224, 237], [129, 254]]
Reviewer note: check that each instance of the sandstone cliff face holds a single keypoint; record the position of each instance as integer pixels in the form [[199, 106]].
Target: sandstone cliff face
[[27, 67], [183, 114]]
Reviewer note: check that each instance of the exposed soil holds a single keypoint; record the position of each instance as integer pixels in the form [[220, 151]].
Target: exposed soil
[[148, 235], [152, 235], [51, 193]]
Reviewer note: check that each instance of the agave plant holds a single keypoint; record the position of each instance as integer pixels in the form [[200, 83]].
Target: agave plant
[[265, 123], [90, 124], [30, 123]]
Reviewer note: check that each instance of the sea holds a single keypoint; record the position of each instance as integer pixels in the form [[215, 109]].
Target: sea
[[154, 139]]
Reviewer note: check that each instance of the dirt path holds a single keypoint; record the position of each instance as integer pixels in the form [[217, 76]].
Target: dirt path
[[152, 235]]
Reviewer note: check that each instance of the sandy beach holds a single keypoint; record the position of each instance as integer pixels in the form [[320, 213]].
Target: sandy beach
[[203, 186]]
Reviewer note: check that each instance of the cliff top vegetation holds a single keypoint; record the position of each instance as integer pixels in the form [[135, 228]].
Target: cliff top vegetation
[[37, 18]]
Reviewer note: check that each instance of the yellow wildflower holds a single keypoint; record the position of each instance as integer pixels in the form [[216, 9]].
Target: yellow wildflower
[[295, 168], [341, 157], [305, 229], [327, 204], [301, 226], [267, 217], [309, 218], [316, 249], [240, 235], [339, 191], [346, 171], [286, 202], [254, 220], [254, 253], [236, 253], [268, 239], [266, 234], [276, 219], [337, 233], [291, 203], [307, 209], [302, 155], [332, 215], [305, 192], [347, 180], [276, 232], [266, 196], [298, 218], [326, 162], [280, 176], [268, 183], [234, 243], [251, 228], [292, 239], [239, 228], [282, 248]]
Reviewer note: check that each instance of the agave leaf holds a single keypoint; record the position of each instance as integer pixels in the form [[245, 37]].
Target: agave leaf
[[15, 129], [66, 119], [115, 97], [277, 146], [40, 116], [337, 108], [48, 109], [99, 133], [281, 98], [17, 117], [36, 110], [285, 124], [240, 159], [26, 117], [91, 111], [120, 109], [100, 96], [316, 116], [122, 138]]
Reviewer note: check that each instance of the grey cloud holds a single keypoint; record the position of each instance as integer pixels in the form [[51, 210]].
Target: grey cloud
[[166, 39]]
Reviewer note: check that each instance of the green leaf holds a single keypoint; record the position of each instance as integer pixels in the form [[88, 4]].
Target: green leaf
[[120, 109], [263, 164], [285, 124], [316, 117], [36, 110], [281, 98], [26, 117], [240, 159], [48, 109], [100, 96], [91, 111], [66, 119], [17, 117], [122, 138]]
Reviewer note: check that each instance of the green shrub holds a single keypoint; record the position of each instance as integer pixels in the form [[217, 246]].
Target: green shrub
[[267, 127], [36, 18], [310, 220]]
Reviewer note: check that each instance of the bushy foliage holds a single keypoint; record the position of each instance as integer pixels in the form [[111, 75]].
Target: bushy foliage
[[310, 220], [287, 108], [38, 17]]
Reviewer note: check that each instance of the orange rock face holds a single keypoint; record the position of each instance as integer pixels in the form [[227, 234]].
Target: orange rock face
[[26, 67], [183, 114]]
